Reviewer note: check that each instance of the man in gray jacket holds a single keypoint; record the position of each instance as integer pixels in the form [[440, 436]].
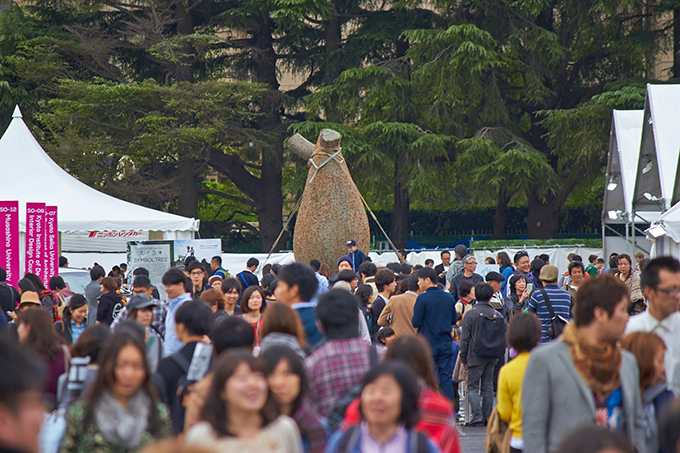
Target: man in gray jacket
[[584, 378], [92, 293]]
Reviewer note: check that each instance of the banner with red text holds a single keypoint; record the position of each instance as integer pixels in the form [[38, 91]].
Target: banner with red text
[[35, 239], [9, 246], [51, 244]]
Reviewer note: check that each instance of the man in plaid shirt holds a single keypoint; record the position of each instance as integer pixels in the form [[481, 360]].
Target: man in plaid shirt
[[142, 285], [341, 362]]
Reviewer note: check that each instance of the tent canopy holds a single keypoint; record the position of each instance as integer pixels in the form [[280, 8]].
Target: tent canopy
[[660, 146], [30, 175], [624, 150]]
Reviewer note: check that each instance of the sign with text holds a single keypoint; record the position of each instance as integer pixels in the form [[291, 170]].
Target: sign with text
[[155, 257], [51, 243], [9, 246], [35, 239]]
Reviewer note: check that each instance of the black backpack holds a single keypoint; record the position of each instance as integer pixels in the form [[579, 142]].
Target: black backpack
[[337, 415], [185, 384], [418, 441], [557, 323], [489, 337]]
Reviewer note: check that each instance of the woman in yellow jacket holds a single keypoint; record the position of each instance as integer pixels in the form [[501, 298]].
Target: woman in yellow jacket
[[524, 333]]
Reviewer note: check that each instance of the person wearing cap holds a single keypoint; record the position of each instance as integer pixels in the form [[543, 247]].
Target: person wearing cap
[[560, 300], [355, 255], [497, 301], [141, 309], [456, 267], [216, 282]]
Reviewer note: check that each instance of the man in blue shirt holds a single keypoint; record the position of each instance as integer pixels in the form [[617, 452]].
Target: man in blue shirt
[[434, 316], [560, 300], [174, 281], [296, 288], [356, 256], [216, 266]]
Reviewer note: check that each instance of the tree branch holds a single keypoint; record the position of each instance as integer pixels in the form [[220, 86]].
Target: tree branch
[[226, 196]]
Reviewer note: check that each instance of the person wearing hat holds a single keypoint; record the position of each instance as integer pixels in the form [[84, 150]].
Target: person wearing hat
[[140, 308], [559, 299], [356, 256], [497, 301]]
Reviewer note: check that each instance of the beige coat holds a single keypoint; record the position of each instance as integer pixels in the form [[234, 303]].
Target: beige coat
[[401, 307]]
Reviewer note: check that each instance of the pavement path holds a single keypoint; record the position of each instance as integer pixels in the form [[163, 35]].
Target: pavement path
[[472, 440]]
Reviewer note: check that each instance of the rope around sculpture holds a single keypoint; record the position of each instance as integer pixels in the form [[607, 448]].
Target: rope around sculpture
[[340, 160]]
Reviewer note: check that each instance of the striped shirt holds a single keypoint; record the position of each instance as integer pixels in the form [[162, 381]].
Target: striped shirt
[[560, 301]]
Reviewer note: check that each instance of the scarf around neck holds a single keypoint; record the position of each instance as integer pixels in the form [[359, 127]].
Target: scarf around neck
[[599, 366], [123, 426]]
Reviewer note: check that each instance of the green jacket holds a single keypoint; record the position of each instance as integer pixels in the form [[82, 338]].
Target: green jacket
[[76, 440]]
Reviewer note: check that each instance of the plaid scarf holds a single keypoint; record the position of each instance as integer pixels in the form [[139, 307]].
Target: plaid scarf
[[599, 366]]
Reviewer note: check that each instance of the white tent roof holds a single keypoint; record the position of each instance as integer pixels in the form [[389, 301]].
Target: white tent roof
[[660, 147], [624, 150], [29, 175]]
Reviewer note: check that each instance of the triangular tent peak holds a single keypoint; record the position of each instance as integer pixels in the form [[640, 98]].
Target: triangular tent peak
[[81, 208], [17, 112], [624, 150], [658, 164]]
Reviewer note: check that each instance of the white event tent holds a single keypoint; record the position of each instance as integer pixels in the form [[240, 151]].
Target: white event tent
[[88, 220], [642, 170]]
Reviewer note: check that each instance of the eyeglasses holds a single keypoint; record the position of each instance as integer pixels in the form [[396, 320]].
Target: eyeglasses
[[471, 263], [196, 273], [673, 292]]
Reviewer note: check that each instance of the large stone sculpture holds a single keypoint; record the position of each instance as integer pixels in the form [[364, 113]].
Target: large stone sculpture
[[331, 211]]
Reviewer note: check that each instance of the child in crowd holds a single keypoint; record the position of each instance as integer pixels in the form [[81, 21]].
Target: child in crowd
[[384, 337]]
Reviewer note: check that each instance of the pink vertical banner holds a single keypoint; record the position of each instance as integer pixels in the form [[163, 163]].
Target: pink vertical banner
[[52, 243], [9, 246], [35, 239]]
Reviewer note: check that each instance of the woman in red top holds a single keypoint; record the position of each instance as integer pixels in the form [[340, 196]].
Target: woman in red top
[[437, 418], [253, 304]]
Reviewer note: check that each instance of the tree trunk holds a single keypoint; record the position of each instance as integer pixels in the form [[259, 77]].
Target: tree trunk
[[543, 218], [501, 215], [184, 70], [270, 208], [400, 213], [676, 43], [333, 42], [187, 203]]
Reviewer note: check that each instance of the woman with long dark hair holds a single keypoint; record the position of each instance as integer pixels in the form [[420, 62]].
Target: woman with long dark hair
[[241, 413], [288, 381], [518, 297], [73, 321], [253, 304], [505, 268], [36, 332], [121, 412], [110, 302]]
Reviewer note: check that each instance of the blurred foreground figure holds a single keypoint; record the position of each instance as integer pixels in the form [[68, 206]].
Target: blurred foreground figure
[[21, 400]]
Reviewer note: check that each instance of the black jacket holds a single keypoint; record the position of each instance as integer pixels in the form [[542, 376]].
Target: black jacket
[[247, 279], [9, 297], [439, 268], [109, 306], [64, 330]]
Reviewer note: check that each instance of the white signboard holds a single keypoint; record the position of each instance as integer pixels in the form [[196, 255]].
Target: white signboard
[[201, 249], [154, 256]]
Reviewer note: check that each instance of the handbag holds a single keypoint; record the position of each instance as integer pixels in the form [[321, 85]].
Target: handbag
[[557, 323], [498, 434]]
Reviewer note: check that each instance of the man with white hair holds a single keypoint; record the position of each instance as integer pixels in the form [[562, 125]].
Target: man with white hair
[[469, 267]]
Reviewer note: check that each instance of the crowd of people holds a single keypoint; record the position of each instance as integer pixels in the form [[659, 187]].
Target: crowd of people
[[373, 358]]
